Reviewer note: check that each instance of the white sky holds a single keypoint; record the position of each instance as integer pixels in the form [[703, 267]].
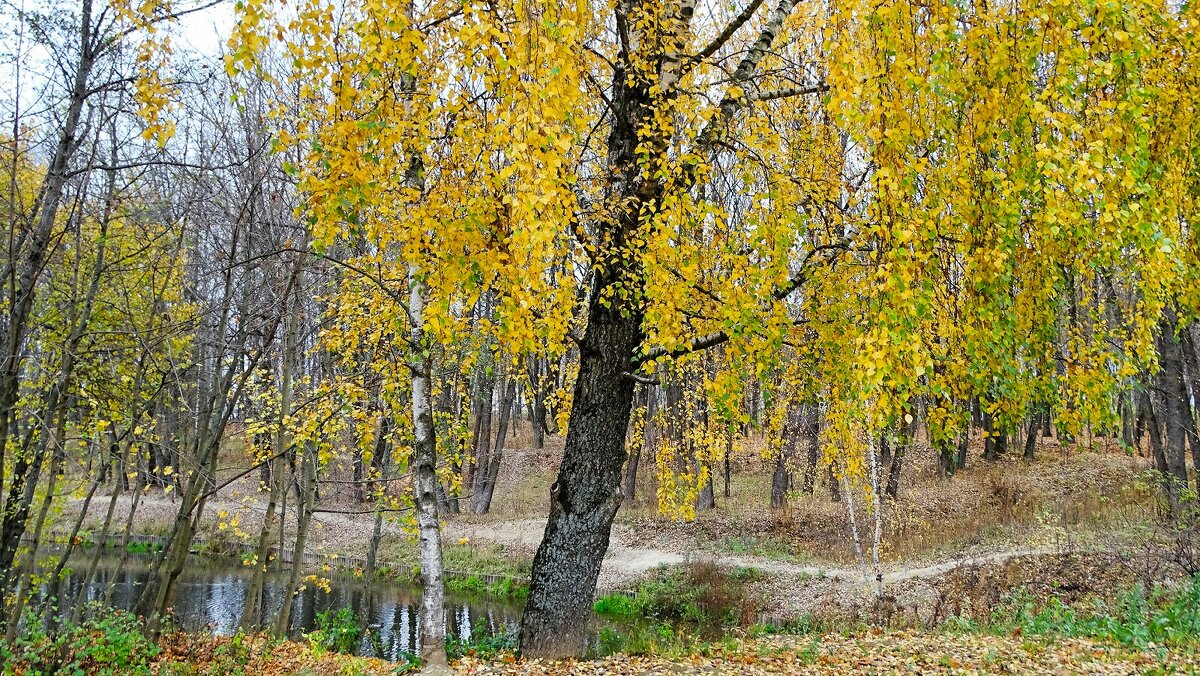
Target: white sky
[[206, 32]]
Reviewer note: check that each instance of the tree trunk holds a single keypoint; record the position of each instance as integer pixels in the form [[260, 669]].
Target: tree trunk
[[587, 492], [706, 498], [308, 495], [252, 610], [482, 442], [897, 464], [781, 480], [649, 401], [424, 468], [944, 448], [488, 488], [1175, 408], [585, 496], [1035, 425], [1191, 362]]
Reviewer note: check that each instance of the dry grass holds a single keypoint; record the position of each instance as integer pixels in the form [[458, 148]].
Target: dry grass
[[1067, 497]]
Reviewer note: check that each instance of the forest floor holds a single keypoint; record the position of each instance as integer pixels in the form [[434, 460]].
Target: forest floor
[[1080, 517], [869, 652]]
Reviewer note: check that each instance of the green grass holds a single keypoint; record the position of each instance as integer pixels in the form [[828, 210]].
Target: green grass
[[1135, 619], [701, 594], [474, 584], [766, 547]]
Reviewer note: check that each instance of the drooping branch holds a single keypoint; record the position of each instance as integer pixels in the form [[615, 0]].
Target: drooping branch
[[824, 253]]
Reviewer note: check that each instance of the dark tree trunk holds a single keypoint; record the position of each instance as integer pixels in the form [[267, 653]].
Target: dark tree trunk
[[991, 439], [482, 442], [539, 384], [487, 487], [1175, 406], [1128, 414], [903, 443], [1154, 431], [585, 496], [1035, 425], [1191, 362], [944, 449], [706, 498], [781, 480], [587, 492]]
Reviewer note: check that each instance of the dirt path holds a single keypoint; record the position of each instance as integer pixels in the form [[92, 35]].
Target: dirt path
[[623, 564]]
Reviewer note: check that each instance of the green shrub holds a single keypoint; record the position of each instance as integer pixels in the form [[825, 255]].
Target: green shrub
[[797, 626], [471, 585], [650, 638], [110, 643], [337, 632], [482, 646], [701, 593], [509, 589]]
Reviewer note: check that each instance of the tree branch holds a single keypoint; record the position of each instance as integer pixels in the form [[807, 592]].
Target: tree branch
[[719, 41], [717, 338], [787, 92]]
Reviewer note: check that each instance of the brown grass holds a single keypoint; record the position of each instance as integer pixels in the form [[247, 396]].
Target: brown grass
[[1068, 495]]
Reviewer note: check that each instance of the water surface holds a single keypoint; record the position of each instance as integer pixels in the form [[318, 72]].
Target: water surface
[[211, 592]]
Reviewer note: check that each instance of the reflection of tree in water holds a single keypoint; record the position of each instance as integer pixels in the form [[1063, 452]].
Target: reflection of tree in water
[[211, 596]]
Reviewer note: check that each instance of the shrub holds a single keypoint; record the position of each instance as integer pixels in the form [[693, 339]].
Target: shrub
[[337, 632], [796, 626], [481, 646], [112, 642], [407, 663], [472, 584], [509, 589], [701, 593]]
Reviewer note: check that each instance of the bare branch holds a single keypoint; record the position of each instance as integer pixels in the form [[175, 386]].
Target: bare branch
[[719, 41]]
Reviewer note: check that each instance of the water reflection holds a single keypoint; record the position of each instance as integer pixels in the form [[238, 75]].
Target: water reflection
[[211, 593]]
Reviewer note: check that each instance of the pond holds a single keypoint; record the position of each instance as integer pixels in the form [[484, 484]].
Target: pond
[[211, 592]]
